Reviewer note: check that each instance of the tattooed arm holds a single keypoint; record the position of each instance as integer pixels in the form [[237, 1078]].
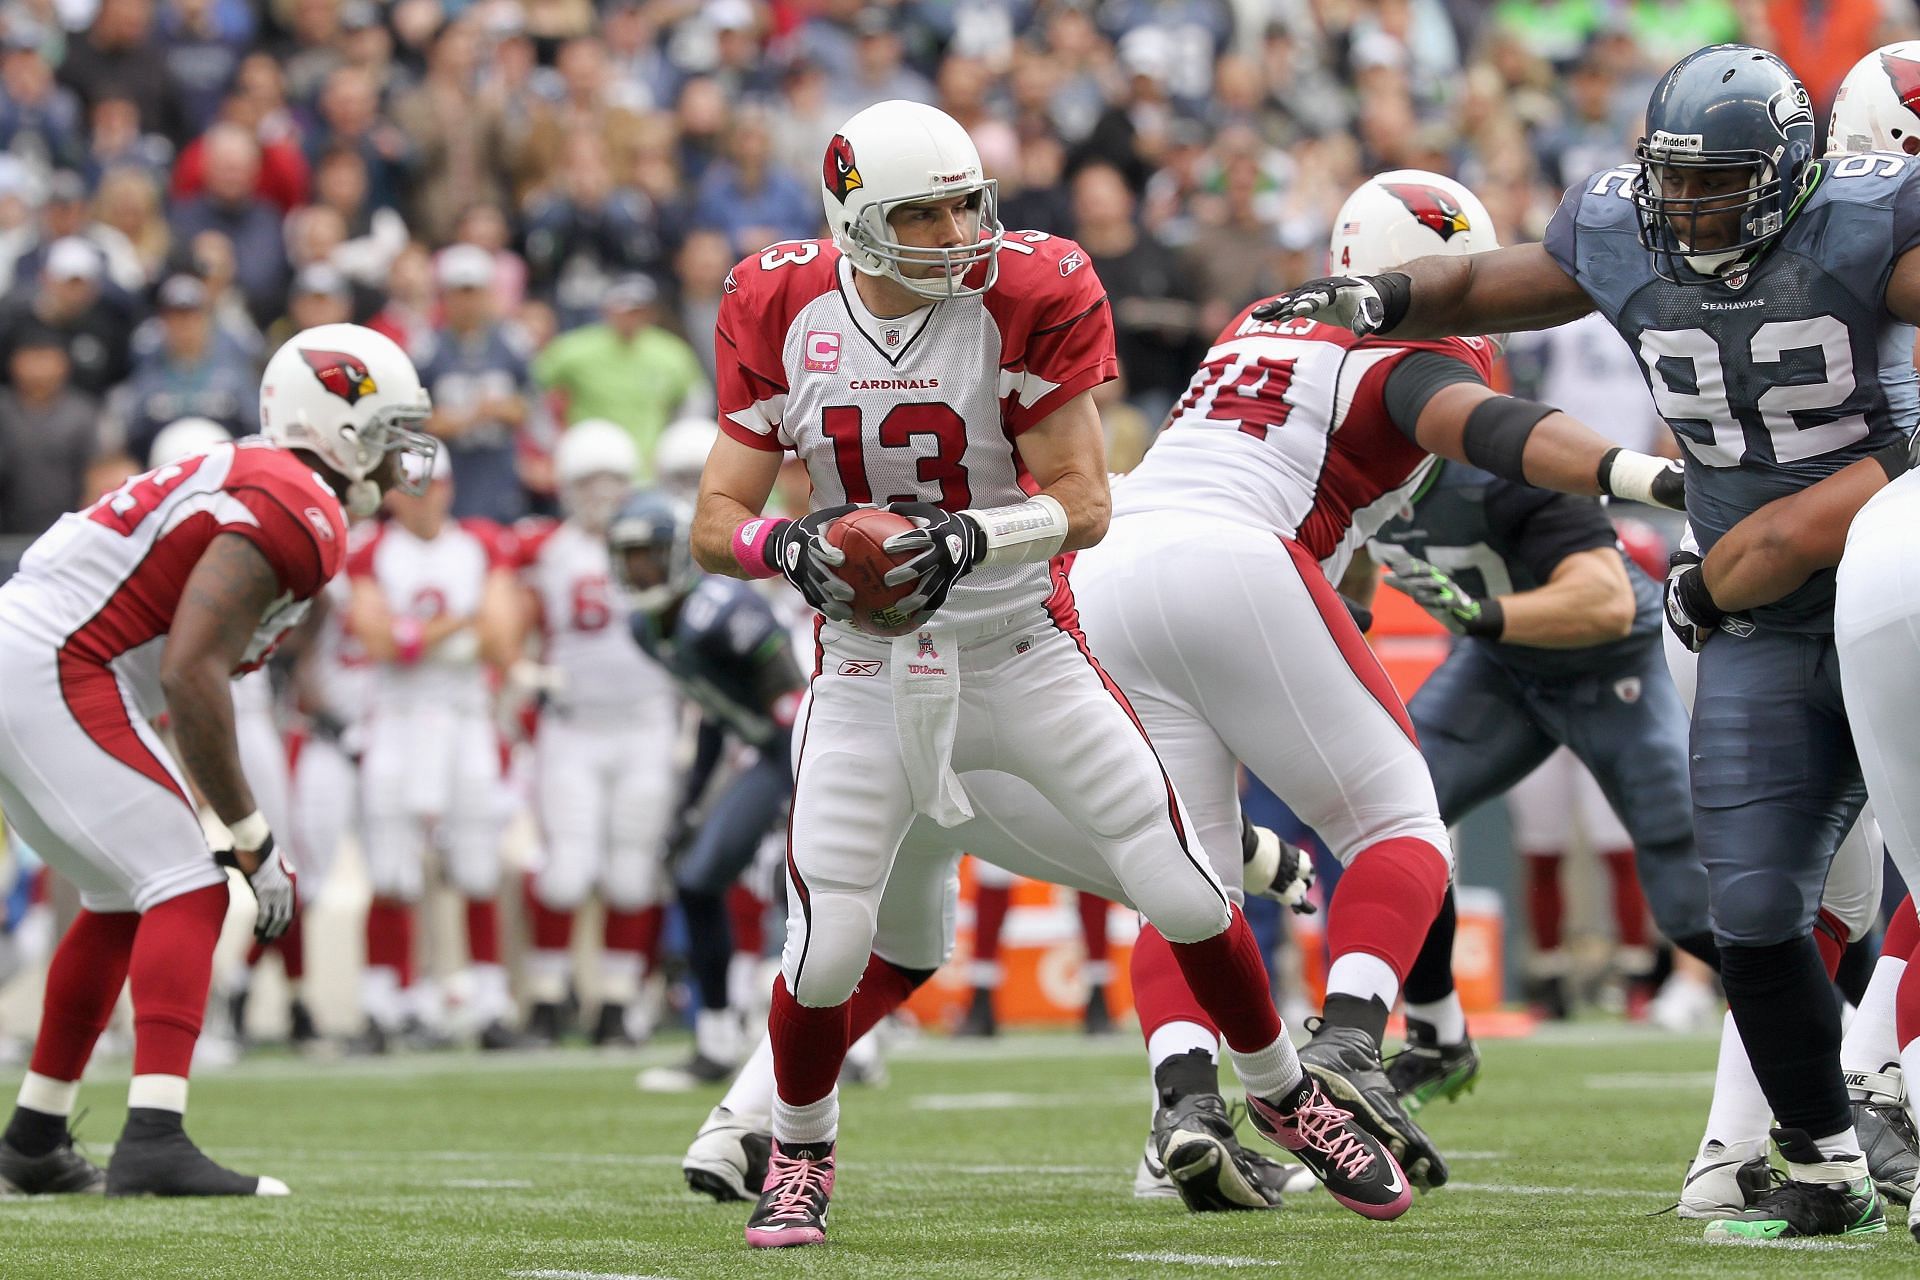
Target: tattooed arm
[[226, 595]]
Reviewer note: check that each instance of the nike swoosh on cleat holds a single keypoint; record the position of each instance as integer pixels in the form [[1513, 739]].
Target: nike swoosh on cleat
[[1692, 1177], [1396, 1186]]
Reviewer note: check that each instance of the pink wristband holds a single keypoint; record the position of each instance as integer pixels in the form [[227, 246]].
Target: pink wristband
[[750, 546], [410, 638]]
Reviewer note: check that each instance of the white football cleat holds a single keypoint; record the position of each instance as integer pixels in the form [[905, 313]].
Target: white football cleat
[[1150, 1180], [727, 1159], [1724, 1179]]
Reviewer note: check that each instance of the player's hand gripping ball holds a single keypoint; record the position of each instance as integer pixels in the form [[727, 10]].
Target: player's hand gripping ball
[[861, 536]]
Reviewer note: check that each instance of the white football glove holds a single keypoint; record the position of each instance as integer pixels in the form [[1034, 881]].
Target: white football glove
[[1275, 869], [275, 887], [1350, 302]]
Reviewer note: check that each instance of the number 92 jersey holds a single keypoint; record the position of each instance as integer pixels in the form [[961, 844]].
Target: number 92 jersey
[[924, 407], [1773, 379]]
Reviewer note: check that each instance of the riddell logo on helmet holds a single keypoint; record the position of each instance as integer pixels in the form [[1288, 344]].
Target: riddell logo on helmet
[[839, 173], [1436, 210], [344, 375]]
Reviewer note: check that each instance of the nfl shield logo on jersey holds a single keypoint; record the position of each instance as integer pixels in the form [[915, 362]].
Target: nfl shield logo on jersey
[[892, 335], [1627, 690], [926, 649]]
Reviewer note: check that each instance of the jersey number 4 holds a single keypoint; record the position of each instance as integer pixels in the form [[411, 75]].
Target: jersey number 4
[[124, 508], [903, 425]]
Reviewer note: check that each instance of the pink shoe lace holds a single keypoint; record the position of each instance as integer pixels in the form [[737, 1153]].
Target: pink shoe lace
[[1323, 1127], [794, 1182]]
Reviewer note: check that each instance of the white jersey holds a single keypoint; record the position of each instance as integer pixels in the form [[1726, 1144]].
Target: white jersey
[[924, 407], [445, 576], [101, 586], [583, 629], [1284, 427], [342, 673]]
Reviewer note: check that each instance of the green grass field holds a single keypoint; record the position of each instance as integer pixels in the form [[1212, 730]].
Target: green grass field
[[1009, 1159]]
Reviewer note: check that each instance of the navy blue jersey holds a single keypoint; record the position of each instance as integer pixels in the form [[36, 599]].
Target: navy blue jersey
[[1495, 537], [723, 647], [1773, 379]]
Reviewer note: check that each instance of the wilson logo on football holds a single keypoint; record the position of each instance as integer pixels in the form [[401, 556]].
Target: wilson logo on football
[[838, 171], [344, 375], [1436, 210]]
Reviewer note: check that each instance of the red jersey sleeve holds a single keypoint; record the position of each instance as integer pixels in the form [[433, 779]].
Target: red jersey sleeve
[[761, 296], [1055, 326], [361, 547], [497, 541], [530, 534], [297, 521]]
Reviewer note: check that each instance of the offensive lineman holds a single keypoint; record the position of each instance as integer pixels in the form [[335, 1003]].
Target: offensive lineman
[[150, 599], [928, 358], [1770, 296]]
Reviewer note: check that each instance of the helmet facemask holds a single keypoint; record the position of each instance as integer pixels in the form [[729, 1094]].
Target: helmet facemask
[[1672, 227], [390, 430], [663, 549], [875, 249]]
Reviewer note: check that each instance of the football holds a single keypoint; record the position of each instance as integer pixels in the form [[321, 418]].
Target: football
[[862, 535]]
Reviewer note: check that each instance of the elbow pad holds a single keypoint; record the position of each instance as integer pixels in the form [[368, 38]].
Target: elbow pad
[[1495, 437]]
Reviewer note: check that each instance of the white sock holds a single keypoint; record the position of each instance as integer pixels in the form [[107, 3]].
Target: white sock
[[1171, 1039], [1870, 1042], [619, 976], [1366, 976], [1739, 1112], [1448, 1019], [716, 1035], [380, 996], [985, 973], [160, 1093], [48, 1096], [743, 981], [814, 1122], [751, 1097], [547, 976], [491, 999], [1268, 1072], [1098, 973]]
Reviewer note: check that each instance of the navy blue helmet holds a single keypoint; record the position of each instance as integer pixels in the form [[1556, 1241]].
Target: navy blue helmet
[[661, 526], [1728, 155]]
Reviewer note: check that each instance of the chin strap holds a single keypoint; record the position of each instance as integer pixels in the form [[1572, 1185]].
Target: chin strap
[[363, 498]]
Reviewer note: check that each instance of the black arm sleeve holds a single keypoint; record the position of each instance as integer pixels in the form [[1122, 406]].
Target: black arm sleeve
[[706, 758], [1416, 379], [1540, 528]]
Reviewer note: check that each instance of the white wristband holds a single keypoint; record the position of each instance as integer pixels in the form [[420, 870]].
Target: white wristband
[[1024, 533], [250, 832], [1633, 474]]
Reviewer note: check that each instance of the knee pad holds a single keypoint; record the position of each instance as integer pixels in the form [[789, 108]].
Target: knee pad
[[562, 882], [633, 880], [826, 956], [473, 858], [1760, 908], [394, 859]]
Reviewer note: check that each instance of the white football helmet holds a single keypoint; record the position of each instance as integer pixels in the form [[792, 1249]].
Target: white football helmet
[[897, 153], [1878, 105], [594, 465], [681, 454], [350, 396], [183, 438], [1407, 214]]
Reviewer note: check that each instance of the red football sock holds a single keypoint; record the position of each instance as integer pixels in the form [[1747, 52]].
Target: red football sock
[[1387, 899], [171, 971], [552, 930], [883, 988], [747, 917], [483, 931], [1903, 932], [293, 949], [637, 931], [809, 1045], [1830, 935], [1093, 926], [83, 984], [990, 903], [1229, 980], [1546, 908], [1906, 1008], [256, 951], [1629, 904], [1160, 992], [390, 937]]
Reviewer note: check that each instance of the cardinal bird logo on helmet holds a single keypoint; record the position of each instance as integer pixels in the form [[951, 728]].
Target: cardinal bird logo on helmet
[[1904, 75], [1436, 210], [838, 172], [344, 375]]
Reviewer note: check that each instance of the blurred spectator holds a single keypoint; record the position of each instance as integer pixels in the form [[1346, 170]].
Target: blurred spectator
[[191, 371], [1133, 131], [1154, 298], [210, 256], [701, 268], [1033, 193], [119, 57], [1592, 136], [374, 235], [317, 239], [407, 317], [68, 301], [49, 434], [736, 65], [1236, 231], [627, 368], [41, 121], [205, 40], [587, 232], [350, 117], [586, 106], [320, 295], [116, 142], [486, 225], [20, 197], [879, 72], [128, 204], [748, 199], [310, 51], [283, 176], [475, 368], [804, 119], [461, 141], [231, 205], [634, 57]]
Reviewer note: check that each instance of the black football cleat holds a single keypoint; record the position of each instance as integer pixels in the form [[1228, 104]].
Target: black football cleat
[[155, 1157], [1194, 1142], [1804, 1209], [610, 1028], [1885, 1131], [980, 1020], [1098, 1020], [545, 1024], [302, 1032], [371, 1041], [792, 1209], [1354, 1166], [1426, 1071], [59, 1172], [497, 1035], [1345, 1059]]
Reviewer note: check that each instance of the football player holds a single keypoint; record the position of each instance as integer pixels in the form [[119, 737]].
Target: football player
[[929, 358], [148, 601], [435, 605], [605, 747], [1769, 294]]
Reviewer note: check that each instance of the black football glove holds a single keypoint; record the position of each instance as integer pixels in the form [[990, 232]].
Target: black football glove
[[1351, 302], [1691, 613], [803, 554], [945, 548]]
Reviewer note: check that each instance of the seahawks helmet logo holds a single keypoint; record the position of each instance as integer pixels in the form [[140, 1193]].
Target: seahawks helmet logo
[[1439, 212], [344, 375], [838, 172]]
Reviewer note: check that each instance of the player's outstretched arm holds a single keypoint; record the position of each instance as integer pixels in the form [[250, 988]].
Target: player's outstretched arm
[[224, 599], [1500, 291]]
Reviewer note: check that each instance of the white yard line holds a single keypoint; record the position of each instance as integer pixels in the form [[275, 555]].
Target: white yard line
[[1650, 1081], [548, 1274], [1197, 1260]]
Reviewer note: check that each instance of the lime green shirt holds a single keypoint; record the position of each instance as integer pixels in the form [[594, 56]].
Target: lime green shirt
[[639, 384]]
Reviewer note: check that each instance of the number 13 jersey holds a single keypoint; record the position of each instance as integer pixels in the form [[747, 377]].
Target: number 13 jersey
[[925, 407]]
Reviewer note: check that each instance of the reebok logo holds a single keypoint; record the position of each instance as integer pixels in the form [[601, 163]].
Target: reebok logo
[[860, 667]]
